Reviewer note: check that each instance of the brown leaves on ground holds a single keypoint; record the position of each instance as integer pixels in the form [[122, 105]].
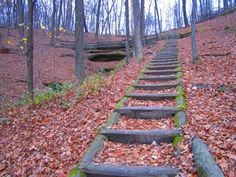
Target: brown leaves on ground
[[49, 141], [153, 155], [211, 114]]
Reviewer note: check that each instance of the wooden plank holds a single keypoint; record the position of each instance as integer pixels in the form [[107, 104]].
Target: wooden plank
[[206, 165], [141, 136], [162, 72], [152, 97], [158, 78], [154, 86], [162, 67], [164, 60], [109, 170], [164, 64], [150, 112]]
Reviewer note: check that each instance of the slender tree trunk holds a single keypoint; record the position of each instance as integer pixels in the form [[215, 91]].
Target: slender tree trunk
[[21, 26], [30, 48], [97, 21], [142, 20], [53, 23], [225, 4], [85, 24], [79, 39], [137, 35], [193, 33], [158, 17], [69, 14], [184, 13], [218, 6], [59, 20], [127, 30]]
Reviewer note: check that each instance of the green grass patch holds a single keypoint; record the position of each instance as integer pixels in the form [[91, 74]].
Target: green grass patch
[[177, 140]]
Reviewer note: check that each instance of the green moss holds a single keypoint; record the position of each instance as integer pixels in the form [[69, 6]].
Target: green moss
[[178, 139], [76, 172], [176, 121], [179, 69], [120, 103], [130, 90], [183, 104], [179, 75], [180, 91]]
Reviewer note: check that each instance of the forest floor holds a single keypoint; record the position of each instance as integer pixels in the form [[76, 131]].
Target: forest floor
[[50, 64], [49, 140]]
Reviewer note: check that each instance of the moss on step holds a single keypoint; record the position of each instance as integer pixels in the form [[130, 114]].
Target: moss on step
[[178, 139], [75, 172]]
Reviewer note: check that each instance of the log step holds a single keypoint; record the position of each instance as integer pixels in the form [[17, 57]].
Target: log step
[[162, 67], [162, 72], [164, 60], [153, 97], [150, 112], [163, 64], [141, 136], [154, 86], [109, 170], [158, 78]]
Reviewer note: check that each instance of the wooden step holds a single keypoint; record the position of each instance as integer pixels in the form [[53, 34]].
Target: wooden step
[[162, 67], [166, 56], [162, 72], [164, 64], [150, 112], [164, 60], [109, 170], [153, 97], [141, 136], [154, 86], [158, 78]]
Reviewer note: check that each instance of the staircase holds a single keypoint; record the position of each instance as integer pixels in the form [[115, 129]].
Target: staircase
[[153, 84]]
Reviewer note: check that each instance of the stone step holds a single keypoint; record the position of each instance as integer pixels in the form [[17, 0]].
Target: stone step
[[150, 112], [110, 170], [141, 136], [158, 78], [166, 56], [154, 86], [162, 67], [153, 97], [162, 72]]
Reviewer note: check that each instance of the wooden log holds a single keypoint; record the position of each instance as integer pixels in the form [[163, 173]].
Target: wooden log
[[162, 67], [164, 64], [180, 118], [108, 170], [206, 165], [150, 112], [141, 136], [162, 72], [155, 86], [158, 78], [153, 97], [164, 60], [95, 147]]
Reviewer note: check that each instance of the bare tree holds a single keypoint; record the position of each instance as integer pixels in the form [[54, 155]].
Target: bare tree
[[142, 20], [79, 39], [225, 4], [184, 13], [53, 23], [21, 25], [30, 48], [127, 29], [97, 21], [59, 20], [137, 37], [193, 33], [69, 14], [158, 17]]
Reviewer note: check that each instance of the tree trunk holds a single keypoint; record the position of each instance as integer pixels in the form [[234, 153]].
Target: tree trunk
[[79, 39], [137, 37], [21, 25], [97, 21], [225, 4], [85, 25], [158, 17], [69, 14], [142, 20], [184, 13], [53, 23], [218, 6], [59, 20], [30, 48], [193, 34], [127, 30]]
